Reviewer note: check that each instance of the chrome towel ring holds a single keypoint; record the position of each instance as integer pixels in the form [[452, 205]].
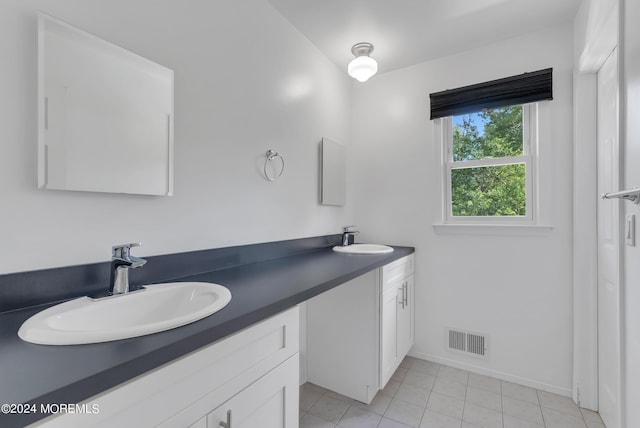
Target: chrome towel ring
[[271, 155]]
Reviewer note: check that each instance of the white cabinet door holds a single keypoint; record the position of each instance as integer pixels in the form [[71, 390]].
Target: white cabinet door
[[270, 402], [202, 423], [396, 316], [388, 336], [405, 327]]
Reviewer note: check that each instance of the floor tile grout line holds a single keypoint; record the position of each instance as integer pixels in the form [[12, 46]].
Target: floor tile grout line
[[426, 405], [541, 412], [501, 406], [502, 403]]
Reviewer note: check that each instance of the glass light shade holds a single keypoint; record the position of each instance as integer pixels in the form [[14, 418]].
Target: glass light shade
[[362, 68]]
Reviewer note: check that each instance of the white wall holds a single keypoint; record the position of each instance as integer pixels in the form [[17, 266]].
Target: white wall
[[631, 178], [245, 81], [514, 286]]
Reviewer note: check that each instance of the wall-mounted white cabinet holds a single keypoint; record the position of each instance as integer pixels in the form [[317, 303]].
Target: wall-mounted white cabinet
[[105, 120], [250, 378], [358, 333]]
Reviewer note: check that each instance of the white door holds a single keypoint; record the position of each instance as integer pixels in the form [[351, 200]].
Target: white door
[[609, 325], [388, 339]]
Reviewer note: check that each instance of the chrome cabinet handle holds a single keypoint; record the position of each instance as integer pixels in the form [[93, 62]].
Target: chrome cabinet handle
[[228, 423], [406, 293], [402, 301]]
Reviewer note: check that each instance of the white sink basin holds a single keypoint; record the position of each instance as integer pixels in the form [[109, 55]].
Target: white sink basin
[[158, 307], [363, 249]]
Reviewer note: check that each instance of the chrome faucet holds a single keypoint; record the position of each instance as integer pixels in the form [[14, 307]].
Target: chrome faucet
[[347, 234], [121, 262]]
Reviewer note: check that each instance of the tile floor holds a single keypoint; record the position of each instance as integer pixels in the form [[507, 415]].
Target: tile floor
[[422, 394]]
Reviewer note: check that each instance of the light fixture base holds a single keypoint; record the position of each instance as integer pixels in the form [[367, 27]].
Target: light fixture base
[[360, 49]]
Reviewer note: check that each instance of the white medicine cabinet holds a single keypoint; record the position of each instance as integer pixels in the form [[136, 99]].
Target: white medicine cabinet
[[334, 171], [105, 115]]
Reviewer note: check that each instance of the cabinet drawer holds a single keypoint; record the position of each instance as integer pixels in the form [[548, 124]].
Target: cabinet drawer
[[396, 271]]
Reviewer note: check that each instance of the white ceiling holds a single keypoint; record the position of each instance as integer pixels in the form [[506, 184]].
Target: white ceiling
[[407, 32]]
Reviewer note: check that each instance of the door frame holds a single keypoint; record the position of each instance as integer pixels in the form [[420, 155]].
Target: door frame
[[600, 43], [613, 272]]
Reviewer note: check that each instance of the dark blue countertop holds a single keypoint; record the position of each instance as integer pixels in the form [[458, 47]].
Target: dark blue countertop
[[42, 374]]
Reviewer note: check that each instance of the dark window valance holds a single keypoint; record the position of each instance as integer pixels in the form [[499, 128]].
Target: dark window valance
[[521, 89]]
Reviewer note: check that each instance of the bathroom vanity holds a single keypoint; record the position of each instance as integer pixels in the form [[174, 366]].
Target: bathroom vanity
[[357, 335], [243, 358]]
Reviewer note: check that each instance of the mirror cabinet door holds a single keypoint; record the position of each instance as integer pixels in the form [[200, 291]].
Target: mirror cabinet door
[[105, 115], [334, 171]]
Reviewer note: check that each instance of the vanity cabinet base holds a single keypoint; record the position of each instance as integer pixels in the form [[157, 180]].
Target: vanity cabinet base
[[359, 332], [254, 374]]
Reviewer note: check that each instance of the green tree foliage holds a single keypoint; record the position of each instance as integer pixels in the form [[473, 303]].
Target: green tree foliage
[[490, 190]]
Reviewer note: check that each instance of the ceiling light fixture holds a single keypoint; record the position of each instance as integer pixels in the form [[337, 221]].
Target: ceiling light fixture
[[362, 67]]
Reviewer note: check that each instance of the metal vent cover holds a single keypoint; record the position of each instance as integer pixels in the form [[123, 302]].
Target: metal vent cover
[[469, 343], [457, 340]]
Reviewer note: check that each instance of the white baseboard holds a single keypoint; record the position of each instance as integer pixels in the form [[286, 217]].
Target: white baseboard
[[567, 392]]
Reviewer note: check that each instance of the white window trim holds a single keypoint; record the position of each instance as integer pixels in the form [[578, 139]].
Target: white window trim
[[529, 158]]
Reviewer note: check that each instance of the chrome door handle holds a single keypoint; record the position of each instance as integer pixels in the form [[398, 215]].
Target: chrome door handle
[[228, 423], [404, 297]]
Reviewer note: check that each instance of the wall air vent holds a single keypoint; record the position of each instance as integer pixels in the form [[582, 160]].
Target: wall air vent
[[457, 340], [466, 342]]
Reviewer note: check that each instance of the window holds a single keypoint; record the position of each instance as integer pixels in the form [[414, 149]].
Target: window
[[489, 165], [489, 146]]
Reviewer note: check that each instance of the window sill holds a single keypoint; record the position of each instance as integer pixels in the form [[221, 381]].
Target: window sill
[[491, 229]]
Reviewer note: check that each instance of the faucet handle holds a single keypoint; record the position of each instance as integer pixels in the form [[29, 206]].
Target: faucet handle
[[349, 229], [122, 251]]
